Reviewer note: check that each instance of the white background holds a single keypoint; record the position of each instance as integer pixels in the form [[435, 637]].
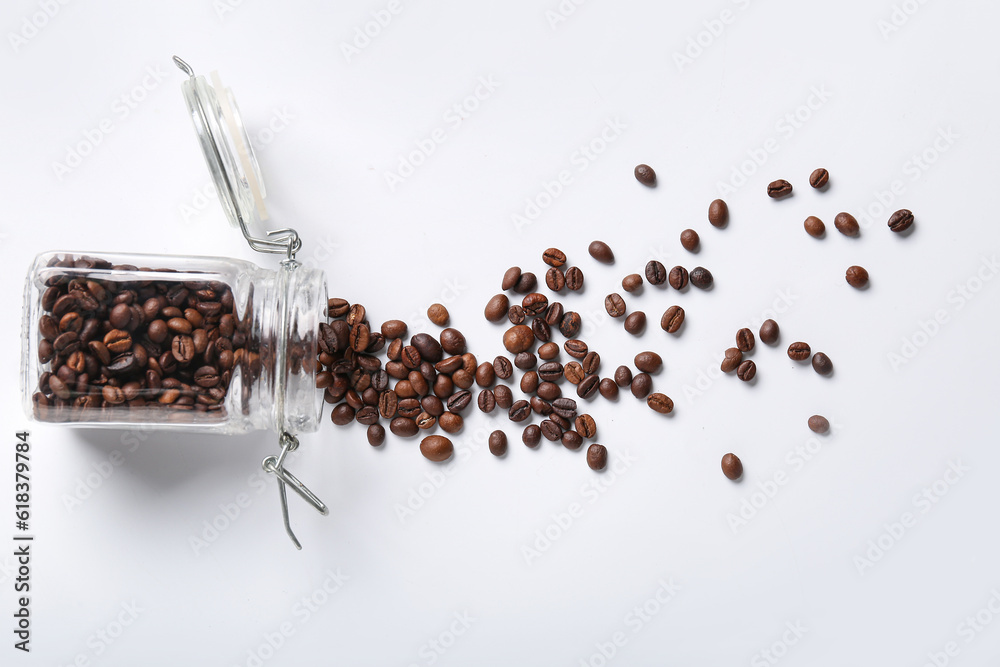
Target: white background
[[913, 106]]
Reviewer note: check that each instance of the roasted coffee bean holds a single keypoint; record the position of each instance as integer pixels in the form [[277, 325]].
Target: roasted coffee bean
[[554, 257], [555, 279], [519, 411], [857, 277], [400, 426], [46, 351], [376, 435], [769, 332], [819, 424], [436, 448], [452, 341], [367, 415], [48, 327], [641, 385], [360, 337], [525, 361], [554, 314], [486, 401], [410, 358], [819, 178], [799, 351], [64, 304], [608, 389], [744, 340], [432, 405], [71, 321], [115, 396], [77, 361], [541, 329], [417, 381], [443, 386], [425, 421], [575, 348], [586, 426], [337, 307], [532, 435], [551, 430], [572, 440], [615, 305], [672, 319], [678, 277], [510, 278], [504, 396], [502, 367], [732, 467], [60, 388], [548, 391], [656, 274], [515, 314], [718, 214], [822, 364], [182, 348], [208, 376], [648, 362], [451, 422], [485, 374], [498, 443], [548, 351], [388, 402], [814, 227], [393, 329], [588, 386], [600, 251], [550, 371], [623, 376], [565, 407], [459, 400], [747, 370], [778, 189], [463, 379], [573, 372], [121, 315], [356, 314], [529, 382], [526, 283], [341, 415], [901, 220], [597, 457], [428, 346], [518, 338], [690, 240], [701, 277], [496, 308], [438, 314], [645, 175], [591, 363], [570, 325], [632, 282], [449, 365], [561, 421], [534, 304], [732, 360], [408, 405], [574, 279], [660, 403], [846, 224], [635, 322]]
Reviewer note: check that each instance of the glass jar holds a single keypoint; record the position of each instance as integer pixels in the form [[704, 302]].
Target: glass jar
[[192, 343]]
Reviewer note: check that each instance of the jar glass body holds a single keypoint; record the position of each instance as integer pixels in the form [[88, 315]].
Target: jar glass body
[[206, 344]]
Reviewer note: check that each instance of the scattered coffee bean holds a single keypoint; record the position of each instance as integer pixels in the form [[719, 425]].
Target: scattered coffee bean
[[572, 440], [641, 385], [570, 325], [532, 435], [690, 240], [498, 443], [551, 430], [857, 277], [555, 279], [597, 457], [591, 363], [732, 467], [519, 411], [799, 351], [573, 372], [393, 329], [678, 277], [436, 448], [718, 214], [746, 370], [732, 360], [376, 435], [438, 314], [648, 362], [502, 367], [588, 386], [623, 376], [535, 304], [600, 251], [645, 175], [451, 422], [744, 339], [529, 382], [585, 426], [428, 347], [550, 371], [778, 189], [635, 322], [822, 364], [656, 274], [342, 414], [459, 400], [901, 220], [575, 348], [574, 279], [672, 319], [769, 332], [608, 389], [814, 226], [526, 283], [846, 224], [515, 314], [819, 178], [819, 424], [660, 403], [504, 396], [615, 305], [486, 401], [452, 341], [510, 278], [554, 257], [701, 277], [548, 391], [485, 374], [525, 360], [632, 282], [518, 338], [496, 309]]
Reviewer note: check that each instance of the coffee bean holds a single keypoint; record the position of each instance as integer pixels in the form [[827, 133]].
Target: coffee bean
[[367, 415], [819, 424], [532, 435], [487, 402], [116, 340], [574, 279], [121, 315], [408, 406], [635, 322], [718, 213], [769, 332], [672, 319], [452, 341], [570, 325], [436, 448], [460, 400], [660, 403], [428, 347], [623, 376], [573, 372], [519, 411], [600, 251], [541, 329], [822, 364], [540, 406], [515, 314], [182, 348], [586, 426], [535, 304], [565, 407], [632, 282], [732, 467], [554, 257], [747, 370], [438, 314], [615, 305], [732, 360], [526, 283], [701, 277], [510, 278], [642, 384], [555, 279], [588, 386], [71, 321], [648, 362], [597, 457], [819, 178], [901, 220], [451, 422], [496, 308], [449, 365], [814, 226], [551, 430], [645, 175], [550, 371], [554, 314], [548, 351], [608, 389], [432, 405], [61, 390], [529, 382], [504, 396], [656, 274], [548, 391], [778, 189], [518, 338], [208, 376], [485, 374], [525, 361], [337, 307], [388, 402], [498, 443], [744, 339], [114, 395], [502, 367], [98, 349], [575, 348], [403, 427], [799, 351], [678, 277], [572, 440], [360, 336], [376, 435], [343, 414], [690, 240], [846, 224], [857, 277]]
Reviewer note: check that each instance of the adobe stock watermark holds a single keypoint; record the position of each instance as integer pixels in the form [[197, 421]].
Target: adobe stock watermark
[[563, 521], [101, 640], [102, 469], [785, 127], [119, 110], [452, 119], [712, 30], [899, 16], [301, 612], [763, 492], [711, 372], [966, 632], [562, 12], [33, 24], [921, 504], [579, 162], [957, 298], [229, 513], [370, 30], [771, 655], [635, 621], [434, 648], [911, 171]]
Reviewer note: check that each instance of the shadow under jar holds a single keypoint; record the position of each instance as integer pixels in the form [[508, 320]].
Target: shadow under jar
[[204, 344]]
